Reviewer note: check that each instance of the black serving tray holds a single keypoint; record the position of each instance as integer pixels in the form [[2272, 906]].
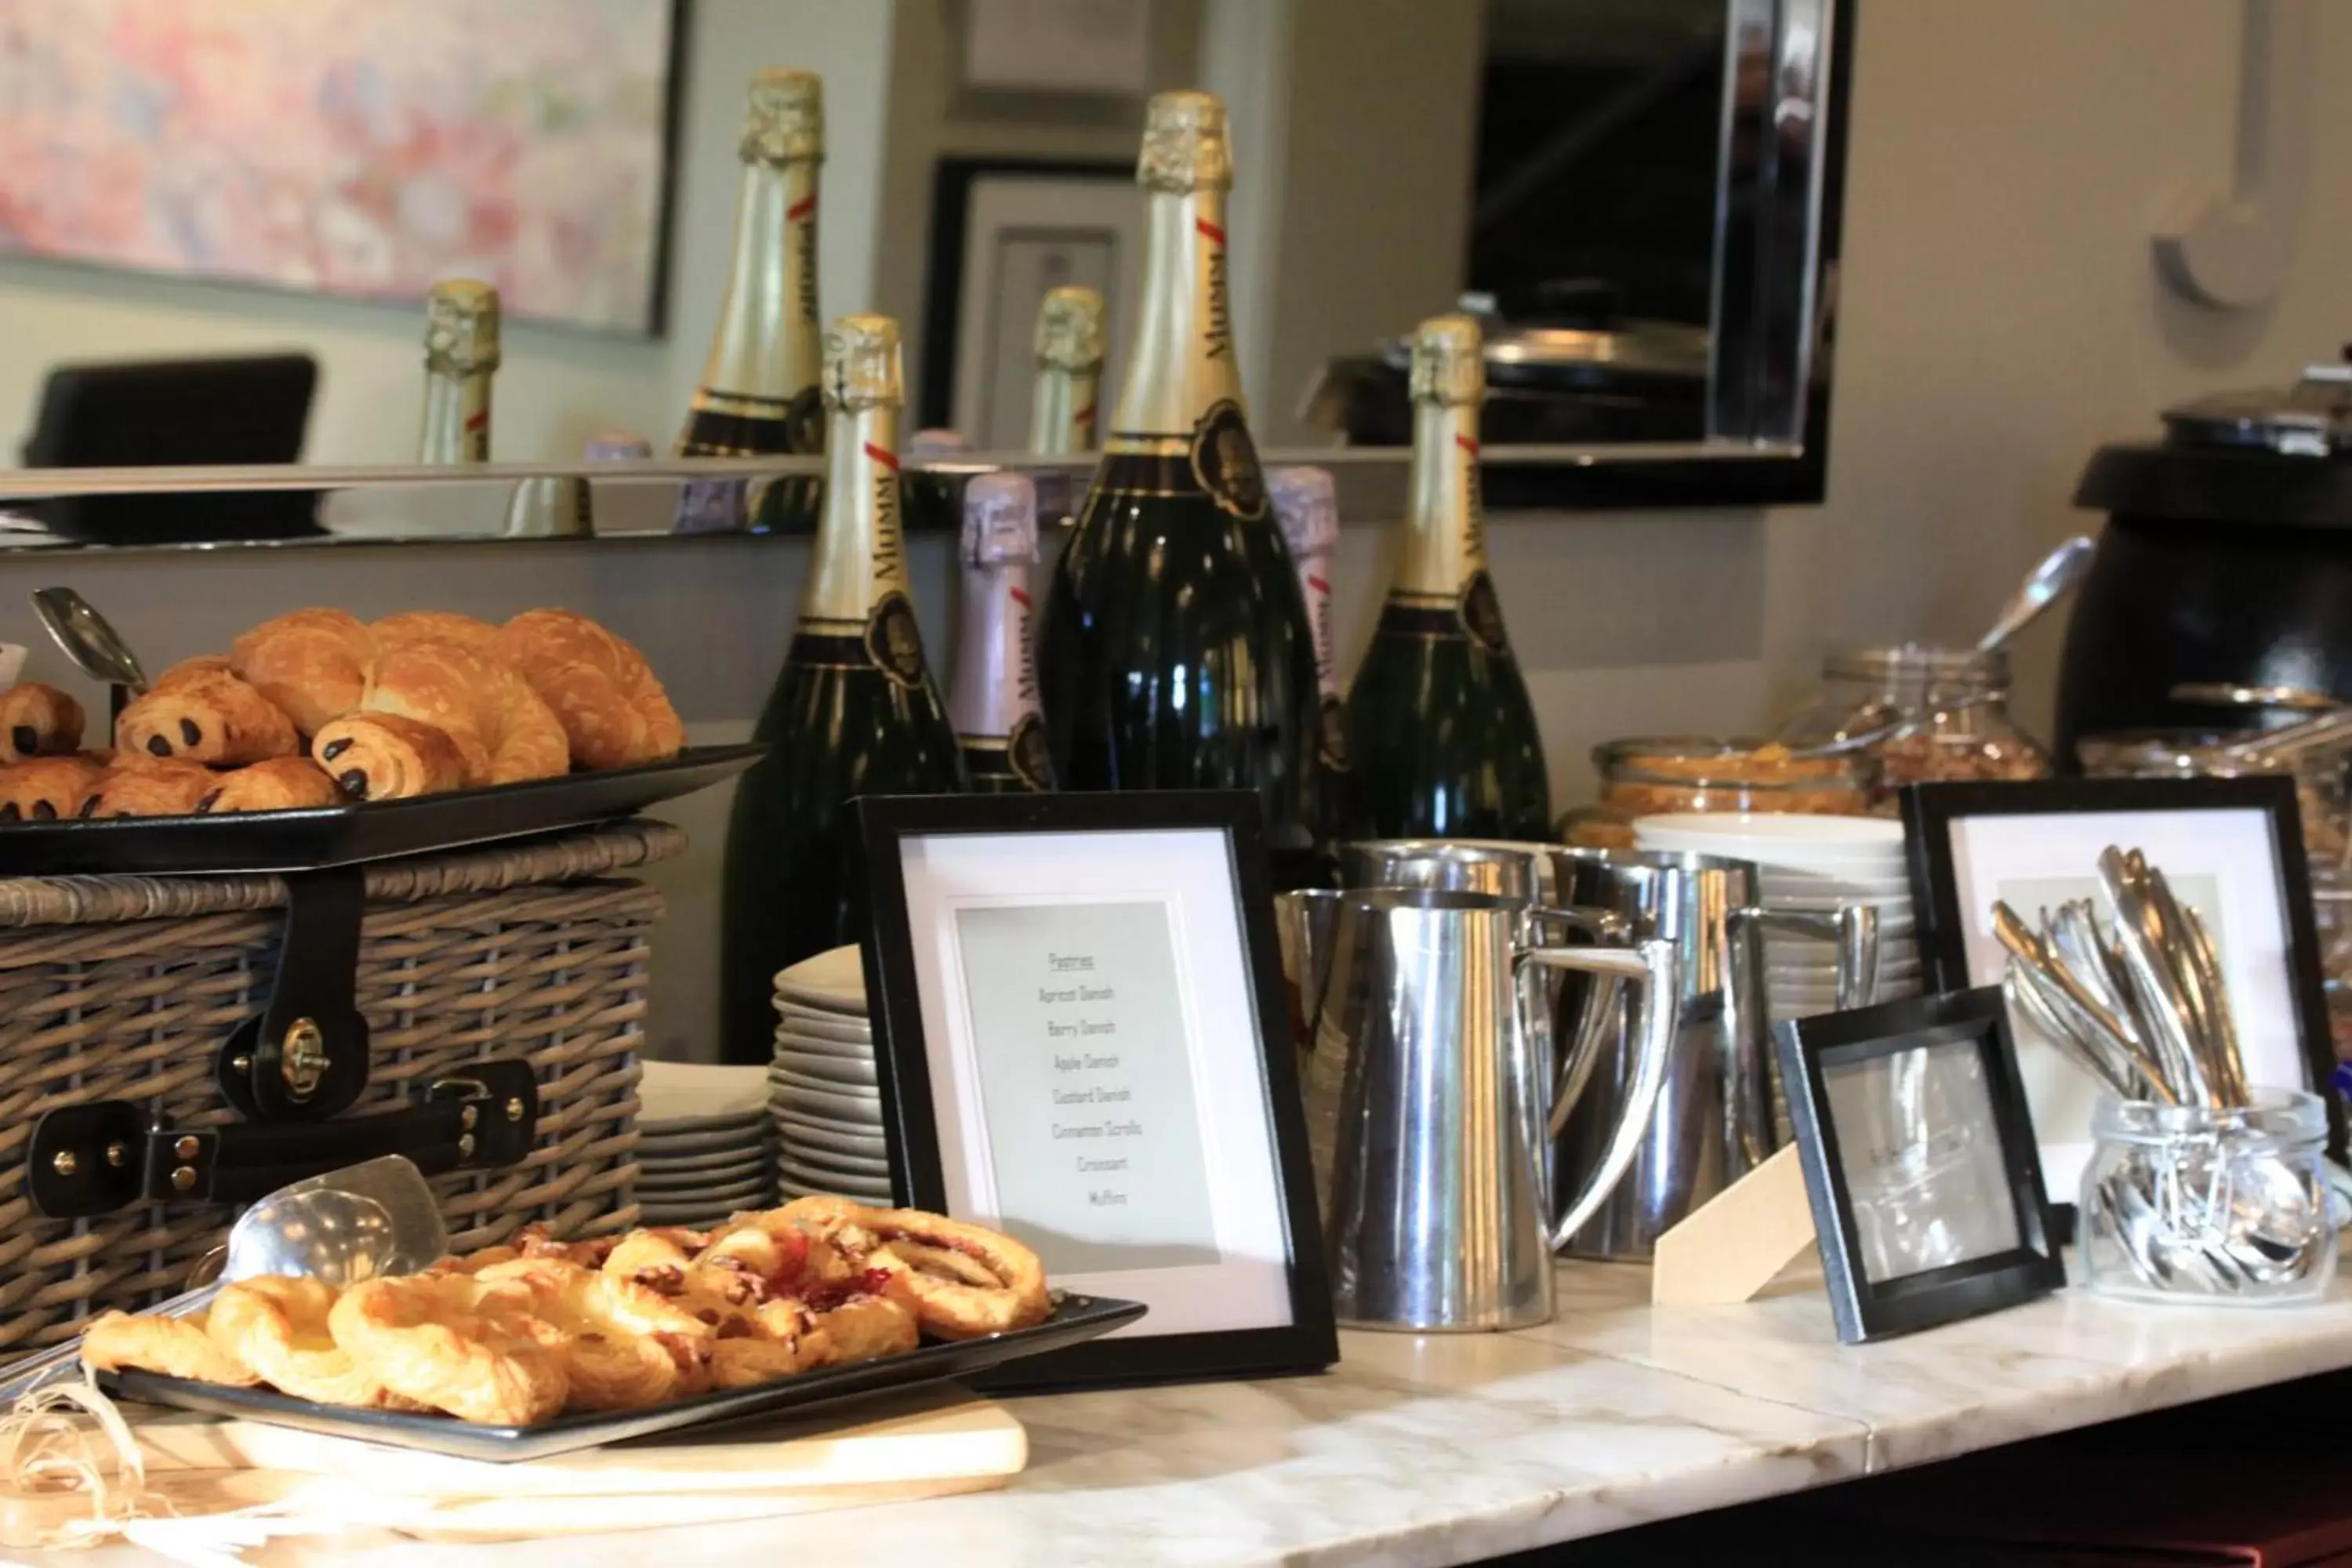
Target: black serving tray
[[364, 831], [835, 1389]]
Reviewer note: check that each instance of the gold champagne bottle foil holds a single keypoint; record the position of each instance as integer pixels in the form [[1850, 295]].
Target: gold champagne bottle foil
[[783, 118], [1063, 411], [857, 582], [1185, 144], [461, 350], [1444, 557]]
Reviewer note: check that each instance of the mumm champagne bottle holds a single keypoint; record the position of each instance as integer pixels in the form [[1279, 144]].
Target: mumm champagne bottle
[[1069, 347], [1174, 650], [759, 394], [854, 711], [461, 353], [1307, 505], [1443, 733], [993, 700]]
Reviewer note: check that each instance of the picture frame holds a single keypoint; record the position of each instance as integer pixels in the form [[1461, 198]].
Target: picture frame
[[2232, 849], [1081, 1037], [1912, 1126]]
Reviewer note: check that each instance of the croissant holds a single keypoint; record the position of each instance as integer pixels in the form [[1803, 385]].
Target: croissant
[[613, 711], [42, 789], [200, 711], [436, 626], [37, 721], [383, 756], [313, 664], [281, 783], [501, 728], [149, 786]]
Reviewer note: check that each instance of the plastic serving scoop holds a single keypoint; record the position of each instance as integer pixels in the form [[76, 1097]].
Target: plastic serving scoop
[[88, 639], [365, 1220]]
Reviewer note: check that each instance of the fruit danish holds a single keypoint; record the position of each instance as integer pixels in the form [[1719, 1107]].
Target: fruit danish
[[613, 711], [37, 721], [278, 1328], [383, 756], [176, 1347], [452, 1343], [201, 712]]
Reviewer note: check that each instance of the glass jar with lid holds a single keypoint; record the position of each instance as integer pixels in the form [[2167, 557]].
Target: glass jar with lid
[[1660, 774], [1929, 714]]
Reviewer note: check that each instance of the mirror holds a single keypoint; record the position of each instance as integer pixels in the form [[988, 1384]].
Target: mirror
[[1637, 197]]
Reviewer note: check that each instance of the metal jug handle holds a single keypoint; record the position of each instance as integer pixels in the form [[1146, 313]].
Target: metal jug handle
[[1854, 929], [1582, 1054], [1655, 970]]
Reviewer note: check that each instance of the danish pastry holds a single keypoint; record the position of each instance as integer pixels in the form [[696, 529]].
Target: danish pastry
[[278, 1328], [42, 789], [138, 785], [613, 711], [313, 664], [201, 712], [436, 626], [503, 730], [965, 1281], [37, 721], [176, 1347], [626, 1345], [450, 1341], [281, 783], [383, 756]]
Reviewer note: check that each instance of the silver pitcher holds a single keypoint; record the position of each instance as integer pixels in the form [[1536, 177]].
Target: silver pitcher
[[1429, 1095], [1714, 1118]]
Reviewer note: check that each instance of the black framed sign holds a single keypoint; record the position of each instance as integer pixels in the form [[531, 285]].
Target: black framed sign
[[1919, 1162], [1080, 1036], [2232, 851]]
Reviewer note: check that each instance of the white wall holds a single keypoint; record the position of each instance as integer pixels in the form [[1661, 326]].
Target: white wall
[[2000, 319], [555, 387]]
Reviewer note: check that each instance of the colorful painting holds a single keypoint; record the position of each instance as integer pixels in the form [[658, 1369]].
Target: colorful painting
[[353, 147]]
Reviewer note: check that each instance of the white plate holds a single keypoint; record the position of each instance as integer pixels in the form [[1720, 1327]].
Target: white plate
[[781, 1077], [750, 1152], [733, 1140], [790, 1189], [835, 1107], [833, 981], [803, 1160], [827, 1069], [690, 1126], [675, 1091], [746, 1186], [799, 1131], [736, 1168], [815, 1173], [825, 1026]]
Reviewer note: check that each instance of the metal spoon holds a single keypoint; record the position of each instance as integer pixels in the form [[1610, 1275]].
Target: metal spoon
[[2052, 576], [365, 1220], [88, 639]]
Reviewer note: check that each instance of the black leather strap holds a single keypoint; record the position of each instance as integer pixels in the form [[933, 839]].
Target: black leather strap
[[305, 1060]]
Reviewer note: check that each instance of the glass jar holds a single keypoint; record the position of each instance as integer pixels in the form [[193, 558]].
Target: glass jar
[[2220, 1206], [2322, 794], [1658, 775], [1937, 713]]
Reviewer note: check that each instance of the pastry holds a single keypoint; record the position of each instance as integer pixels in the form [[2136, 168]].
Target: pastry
[[450, 1341], [503, 729], [626, 1345], [139, 785], [201, 712], [176, 1347], [37, 721], [965, 1279], [278, 1328], [281, 783], [383, 756], [436, 626], [612, 709], [42, 789], [313, 664]]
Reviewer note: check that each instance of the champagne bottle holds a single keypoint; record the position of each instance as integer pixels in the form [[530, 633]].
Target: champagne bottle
[[1173, 650], [461, 352], [1309, 510], [854, 711], [759, 393], [930, 492], [993, 700], [1069, 349], [1443, 731]]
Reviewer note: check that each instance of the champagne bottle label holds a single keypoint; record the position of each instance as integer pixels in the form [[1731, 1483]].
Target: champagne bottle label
[[1026, 751], [1224, 460], [894, 641]]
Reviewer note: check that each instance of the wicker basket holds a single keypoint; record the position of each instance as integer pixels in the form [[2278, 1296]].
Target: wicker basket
[[126, 987]]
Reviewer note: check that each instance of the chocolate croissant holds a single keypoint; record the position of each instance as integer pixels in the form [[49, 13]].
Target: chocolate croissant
[[200, 711], [613, 711], [383, 756], [37, 721], [43, 789], [149, 786], [313, 664], [281, 783], [501, 728]]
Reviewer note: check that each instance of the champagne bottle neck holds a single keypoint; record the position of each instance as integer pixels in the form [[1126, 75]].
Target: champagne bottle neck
[[456, 418], [861, 558], [1182, 360], [996, 674], [1446, 524], [764, 353], [1061, 413]]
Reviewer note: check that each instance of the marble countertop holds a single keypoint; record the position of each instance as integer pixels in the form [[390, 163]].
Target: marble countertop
[[1440, 1449]]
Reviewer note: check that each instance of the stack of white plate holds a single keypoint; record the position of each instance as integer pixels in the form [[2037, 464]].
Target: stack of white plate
[[703, 1143], [822, 1097], [1813, 865]]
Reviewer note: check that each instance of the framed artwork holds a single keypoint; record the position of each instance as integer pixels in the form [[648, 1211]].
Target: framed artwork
[[1919, 1162], [350, 147], [1081, 1037], [2232, 849]]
